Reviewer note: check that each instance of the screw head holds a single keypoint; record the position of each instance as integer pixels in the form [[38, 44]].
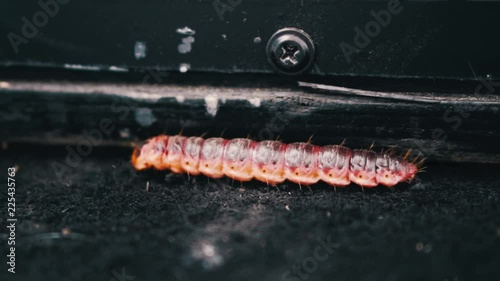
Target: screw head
[[290, 50]]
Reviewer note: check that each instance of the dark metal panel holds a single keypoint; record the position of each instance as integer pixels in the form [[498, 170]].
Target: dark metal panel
[[453, 39]]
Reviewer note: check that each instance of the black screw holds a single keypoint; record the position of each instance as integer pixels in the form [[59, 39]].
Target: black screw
[[290, 50]]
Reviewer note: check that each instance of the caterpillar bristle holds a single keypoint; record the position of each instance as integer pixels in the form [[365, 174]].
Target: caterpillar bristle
[[310, 139], [419, 162], [223, 131], [343, 142], [390, 151], [407, 154], [310, 190], [371, 146], [420, 167]]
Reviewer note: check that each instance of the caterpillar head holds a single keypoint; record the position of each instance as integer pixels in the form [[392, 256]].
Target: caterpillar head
[[150, 154], [399, 170]]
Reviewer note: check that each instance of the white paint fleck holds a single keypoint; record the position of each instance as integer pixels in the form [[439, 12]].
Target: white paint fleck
[[180, 98], [254, 101], [188, 40], [118, 69], [257, 40], [81, 67], [185, 46], [224, 36], [185, 31], [125, 133], [140, 50], [184, 67], [212, 104], [144, 116]]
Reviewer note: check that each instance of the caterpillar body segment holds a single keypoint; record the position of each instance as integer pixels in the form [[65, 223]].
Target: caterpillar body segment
[[237, 159], [272, 162], [333, 165]]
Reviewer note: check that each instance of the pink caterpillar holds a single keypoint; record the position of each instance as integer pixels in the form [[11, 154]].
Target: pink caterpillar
[[272, 162]]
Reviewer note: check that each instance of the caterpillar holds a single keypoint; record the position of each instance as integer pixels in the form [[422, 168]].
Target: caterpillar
[[273, 162]]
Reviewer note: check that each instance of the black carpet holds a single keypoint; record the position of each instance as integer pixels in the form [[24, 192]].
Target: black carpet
[[103, 221]]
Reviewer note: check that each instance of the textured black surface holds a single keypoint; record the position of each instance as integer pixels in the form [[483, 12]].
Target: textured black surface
[[445, 228]]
